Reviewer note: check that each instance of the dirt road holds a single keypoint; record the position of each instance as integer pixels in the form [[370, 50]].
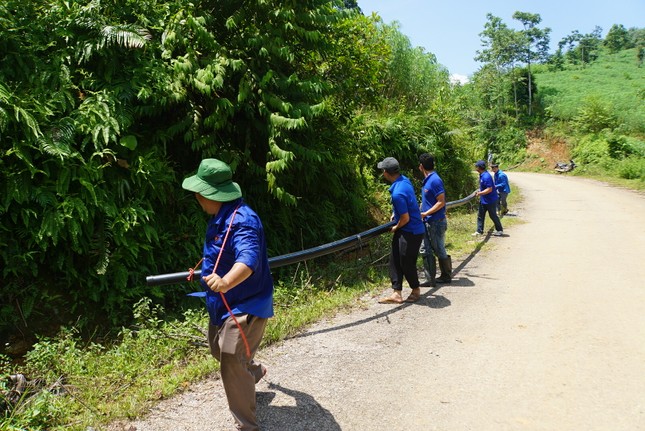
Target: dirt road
[[546, 331]]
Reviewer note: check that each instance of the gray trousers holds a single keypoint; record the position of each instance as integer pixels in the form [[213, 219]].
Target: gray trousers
[[239, 373]]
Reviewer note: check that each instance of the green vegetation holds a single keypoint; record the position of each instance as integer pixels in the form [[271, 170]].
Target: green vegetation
[[590, 94], [86, 383], [607, 94], [106, 106], [600, 110]]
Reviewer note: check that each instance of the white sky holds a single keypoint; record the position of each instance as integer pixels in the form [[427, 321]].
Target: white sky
[[450, 30]]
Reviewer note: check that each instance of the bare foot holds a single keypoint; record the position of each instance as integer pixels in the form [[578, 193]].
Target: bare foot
[[395, 298]]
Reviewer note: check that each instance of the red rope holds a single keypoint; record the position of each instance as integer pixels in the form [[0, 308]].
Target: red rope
[[191, 271], [246, 342], [190, 278]]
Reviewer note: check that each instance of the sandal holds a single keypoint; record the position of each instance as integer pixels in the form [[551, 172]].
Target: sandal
[[413, 297]]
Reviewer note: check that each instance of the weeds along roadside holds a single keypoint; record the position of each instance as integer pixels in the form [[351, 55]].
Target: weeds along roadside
[[76, 384], [79, 384]]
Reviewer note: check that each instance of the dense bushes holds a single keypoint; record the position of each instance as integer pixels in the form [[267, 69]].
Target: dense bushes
[[105, 107]]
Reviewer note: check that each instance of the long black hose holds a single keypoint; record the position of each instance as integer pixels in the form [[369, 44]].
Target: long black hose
[[299, 256]]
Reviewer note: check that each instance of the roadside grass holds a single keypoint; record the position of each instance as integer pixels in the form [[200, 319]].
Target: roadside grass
[[608, 175], [461, 225], [79, 384], [598, 172]]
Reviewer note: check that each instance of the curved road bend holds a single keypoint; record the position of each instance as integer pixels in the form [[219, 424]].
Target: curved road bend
[[546, 331]]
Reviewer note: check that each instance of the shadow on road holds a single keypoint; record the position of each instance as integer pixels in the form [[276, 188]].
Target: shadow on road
[[428, 299], [306, 415], [472, 255]]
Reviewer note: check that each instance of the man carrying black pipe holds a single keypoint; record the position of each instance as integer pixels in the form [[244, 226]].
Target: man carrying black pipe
[[433, 211], [408, 233], [238, 285], [487, 201]]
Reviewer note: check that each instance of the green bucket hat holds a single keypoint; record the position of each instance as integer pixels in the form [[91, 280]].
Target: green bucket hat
[[213, 181]]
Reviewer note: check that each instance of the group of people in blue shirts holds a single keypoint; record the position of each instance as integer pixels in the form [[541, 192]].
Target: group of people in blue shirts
[[236, 277], [493, 192], [422, 230]]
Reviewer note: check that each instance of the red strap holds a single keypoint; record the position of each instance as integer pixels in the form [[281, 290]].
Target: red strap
[[191, 272], [228, 230]]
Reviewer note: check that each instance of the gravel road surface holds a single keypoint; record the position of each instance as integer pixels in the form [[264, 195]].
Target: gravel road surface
[[543, 331]]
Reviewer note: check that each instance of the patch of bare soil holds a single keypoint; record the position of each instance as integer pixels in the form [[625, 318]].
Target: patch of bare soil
[[544, 151]]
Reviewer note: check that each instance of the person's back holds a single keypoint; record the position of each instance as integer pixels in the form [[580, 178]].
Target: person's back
[[404, 200], [486, 181], [503, 189]]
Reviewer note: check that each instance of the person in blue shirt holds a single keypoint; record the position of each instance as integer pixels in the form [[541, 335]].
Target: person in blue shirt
[[487, 200], [238, 284], [433, 211], [503, 188], [407, 233]]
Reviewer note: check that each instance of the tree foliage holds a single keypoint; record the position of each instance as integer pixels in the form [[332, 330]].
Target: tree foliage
[[536, 43], [106, 106], [617, 38], [582, 48]]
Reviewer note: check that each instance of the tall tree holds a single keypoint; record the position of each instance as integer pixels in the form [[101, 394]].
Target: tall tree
[[617, 38], [502, 47], [568, 44], [536, 44], [582, 48], [589, 45]]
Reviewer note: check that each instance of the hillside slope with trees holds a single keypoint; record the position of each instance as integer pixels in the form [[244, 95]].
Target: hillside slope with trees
[[589, 94]]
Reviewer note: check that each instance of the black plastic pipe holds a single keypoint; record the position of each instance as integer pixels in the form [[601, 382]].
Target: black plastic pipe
[[299, 256]]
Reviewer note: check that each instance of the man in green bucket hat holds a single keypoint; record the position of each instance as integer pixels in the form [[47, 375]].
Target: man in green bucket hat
[[237, 282]]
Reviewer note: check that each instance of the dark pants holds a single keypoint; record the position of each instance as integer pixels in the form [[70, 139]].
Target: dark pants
[[403, 259], [502, 206], [491, 209]]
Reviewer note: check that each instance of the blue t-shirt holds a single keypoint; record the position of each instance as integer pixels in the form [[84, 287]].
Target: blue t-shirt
[[486, 181], [246, 243], [431, 188], [501, 182], [404, 201]]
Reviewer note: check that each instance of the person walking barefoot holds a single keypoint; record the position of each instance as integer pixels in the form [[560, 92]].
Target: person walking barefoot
[[407, 233]]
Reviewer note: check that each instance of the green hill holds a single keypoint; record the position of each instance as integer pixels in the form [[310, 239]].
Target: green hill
[[614, 83], [598, 110]]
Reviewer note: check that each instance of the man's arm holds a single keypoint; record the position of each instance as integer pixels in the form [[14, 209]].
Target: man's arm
[[486, 191], [238, 273], [441, 202], [403, 220]]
